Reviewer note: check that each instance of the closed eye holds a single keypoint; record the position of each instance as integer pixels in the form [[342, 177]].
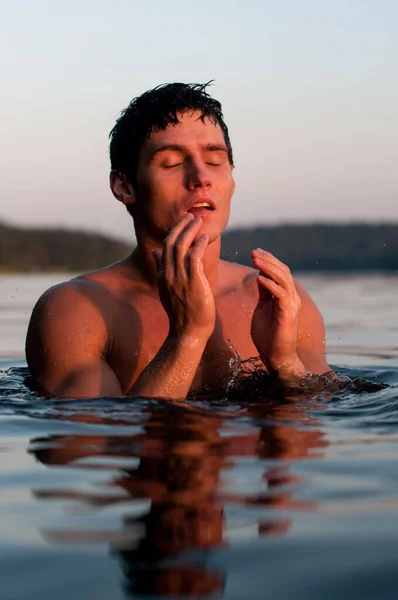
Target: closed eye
[[172, 166]]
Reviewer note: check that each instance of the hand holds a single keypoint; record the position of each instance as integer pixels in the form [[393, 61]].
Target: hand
[[275, 318], [183, 288]]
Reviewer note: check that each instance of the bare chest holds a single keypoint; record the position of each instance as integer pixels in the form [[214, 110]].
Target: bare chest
[[140, 328]]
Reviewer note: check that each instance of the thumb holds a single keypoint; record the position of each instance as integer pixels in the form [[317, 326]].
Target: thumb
[[265, 295]]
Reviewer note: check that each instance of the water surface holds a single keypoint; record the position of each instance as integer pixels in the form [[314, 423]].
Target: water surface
[[251, 498]]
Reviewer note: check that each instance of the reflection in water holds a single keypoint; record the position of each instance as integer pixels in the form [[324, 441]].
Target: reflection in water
[[181, 462]]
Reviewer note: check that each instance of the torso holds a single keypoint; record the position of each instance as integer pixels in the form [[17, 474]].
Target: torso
[[137, 323]]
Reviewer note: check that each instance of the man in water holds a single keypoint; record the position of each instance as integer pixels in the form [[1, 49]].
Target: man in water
[[169, 317]]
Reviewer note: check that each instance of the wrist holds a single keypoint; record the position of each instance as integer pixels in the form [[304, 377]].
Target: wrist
[[287, 369], [187, 340], [190, 335], [172, 370]]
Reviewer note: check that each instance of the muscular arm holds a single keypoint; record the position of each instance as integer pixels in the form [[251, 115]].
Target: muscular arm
[[65, 351], [67, 336], [170, 374], [66, 342], [311, 346]]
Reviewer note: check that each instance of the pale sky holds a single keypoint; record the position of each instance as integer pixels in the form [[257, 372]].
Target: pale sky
[[309, 90]]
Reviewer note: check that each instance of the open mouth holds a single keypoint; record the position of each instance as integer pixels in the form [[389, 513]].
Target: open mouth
[[200, 206]]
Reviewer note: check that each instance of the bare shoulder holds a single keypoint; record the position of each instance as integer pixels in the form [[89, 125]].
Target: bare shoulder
[[247, 278], [67, 312], [71, 297], [237, 277], [311, 330], [309, 312], [68, 341], [244, 277]]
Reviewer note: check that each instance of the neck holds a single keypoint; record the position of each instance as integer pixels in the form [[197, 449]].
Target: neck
[[144, 261]]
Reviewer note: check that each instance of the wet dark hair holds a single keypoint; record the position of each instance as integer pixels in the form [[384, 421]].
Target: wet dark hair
[[154, 111]]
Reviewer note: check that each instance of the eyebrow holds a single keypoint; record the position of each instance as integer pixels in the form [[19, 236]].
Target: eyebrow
[[181, 149]]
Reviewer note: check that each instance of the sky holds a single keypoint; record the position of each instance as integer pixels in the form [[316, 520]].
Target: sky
[[309, 91]]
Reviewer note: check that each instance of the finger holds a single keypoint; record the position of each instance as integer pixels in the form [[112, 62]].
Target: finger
[[285, 301], [195, 259], [270, 286], [171, 239], [198, 249], [178, 227], [267, 256], [184, 242], [274, 272], [264, 295]]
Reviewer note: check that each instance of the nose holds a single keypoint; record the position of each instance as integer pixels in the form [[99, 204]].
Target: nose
[[198, 175]]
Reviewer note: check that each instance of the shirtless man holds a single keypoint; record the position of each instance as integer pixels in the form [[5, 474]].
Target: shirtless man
[[167, 318]]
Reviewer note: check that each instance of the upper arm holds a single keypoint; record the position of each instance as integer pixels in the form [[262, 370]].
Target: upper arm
[[311, 347], [65, 344]]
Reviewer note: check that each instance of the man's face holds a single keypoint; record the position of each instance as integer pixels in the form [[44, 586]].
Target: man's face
[[182, 169]]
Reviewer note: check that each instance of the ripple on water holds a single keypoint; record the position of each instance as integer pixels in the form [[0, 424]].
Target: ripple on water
[[116, 498]]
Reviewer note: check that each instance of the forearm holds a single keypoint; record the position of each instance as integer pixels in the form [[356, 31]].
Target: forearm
[[171, 373], [323, 379], [303, 374], [287, 370]]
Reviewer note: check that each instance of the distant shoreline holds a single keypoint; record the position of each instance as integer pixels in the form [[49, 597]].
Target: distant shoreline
[[314, 247]]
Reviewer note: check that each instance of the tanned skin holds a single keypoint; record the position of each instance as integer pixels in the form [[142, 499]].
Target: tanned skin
[[169, 317]]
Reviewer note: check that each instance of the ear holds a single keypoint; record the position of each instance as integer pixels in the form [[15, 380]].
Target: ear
[[233, 181], [121, 187]]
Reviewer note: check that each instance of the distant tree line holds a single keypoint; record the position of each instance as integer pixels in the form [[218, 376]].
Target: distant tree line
[[309, 247], [319, 246], [56, 249]]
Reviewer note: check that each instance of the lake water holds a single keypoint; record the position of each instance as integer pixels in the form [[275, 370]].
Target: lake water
[[116, 499]]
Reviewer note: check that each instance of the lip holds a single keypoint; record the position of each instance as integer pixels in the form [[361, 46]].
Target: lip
[[200, 199]]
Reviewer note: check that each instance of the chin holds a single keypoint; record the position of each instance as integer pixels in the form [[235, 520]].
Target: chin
[[213, 233]]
